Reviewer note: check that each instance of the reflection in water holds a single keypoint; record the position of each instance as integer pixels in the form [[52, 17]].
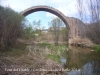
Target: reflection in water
[[63, 60], [90, 68], [85, 61]]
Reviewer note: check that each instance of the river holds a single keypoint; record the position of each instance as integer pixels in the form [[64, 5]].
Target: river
[[81, 61]]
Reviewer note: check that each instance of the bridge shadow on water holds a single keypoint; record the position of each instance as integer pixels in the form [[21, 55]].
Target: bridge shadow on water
[[82, 61]]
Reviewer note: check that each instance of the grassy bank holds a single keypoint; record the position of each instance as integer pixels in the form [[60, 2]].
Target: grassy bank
[[56, 52], [31, 56], [22, 53], [96, 47], [14, 52]]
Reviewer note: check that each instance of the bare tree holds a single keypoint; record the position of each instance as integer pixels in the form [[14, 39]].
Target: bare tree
[[94, 8], [56, 24], [80, 8], [92, 12]]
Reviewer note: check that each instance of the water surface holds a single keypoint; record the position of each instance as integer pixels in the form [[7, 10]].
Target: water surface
[[81, 61]]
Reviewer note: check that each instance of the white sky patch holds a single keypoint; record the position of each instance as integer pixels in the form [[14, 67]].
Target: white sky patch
[[50, 15], [56, 3], [20, 5], [68, 10], [65, 6]]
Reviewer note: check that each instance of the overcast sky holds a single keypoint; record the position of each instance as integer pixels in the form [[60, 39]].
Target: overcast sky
[[67, 7]]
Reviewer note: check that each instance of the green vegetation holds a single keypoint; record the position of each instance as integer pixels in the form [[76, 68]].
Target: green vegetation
[[64, 33], [28, 33], [45, 45], [15, 44], [31, 30], [96, 47], [12, 52], [11, 27], [54, 57], [56, 51]]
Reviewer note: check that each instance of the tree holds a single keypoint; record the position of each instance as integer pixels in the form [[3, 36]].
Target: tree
[[11, 27], [64, 34], [29, 33], [32, 29], [56, 24], [80, 8], [37, 27], [93, 16]]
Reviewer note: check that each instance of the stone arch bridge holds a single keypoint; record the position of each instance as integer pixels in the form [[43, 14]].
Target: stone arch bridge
[[75, 26]]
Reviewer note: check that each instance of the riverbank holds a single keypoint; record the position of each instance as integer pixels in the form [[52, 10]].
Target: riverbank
[[42, 56], [96, 47]]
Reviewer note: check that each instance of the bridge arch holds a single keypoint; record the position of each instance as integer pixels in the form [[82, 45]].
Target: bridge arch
[[76, 29], [47, 9]]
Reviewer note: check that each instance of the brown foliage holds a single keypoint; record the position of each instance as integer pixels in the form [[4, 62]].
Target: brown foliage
[[11, 27]]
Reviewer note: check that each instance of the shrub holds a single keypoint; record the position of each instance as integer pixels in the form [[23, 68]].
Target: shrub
[[11, 27]]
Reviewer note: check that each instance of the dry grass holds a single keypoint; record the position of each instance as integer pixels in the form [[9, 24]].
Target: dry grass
[[28, 58], [84, 41]]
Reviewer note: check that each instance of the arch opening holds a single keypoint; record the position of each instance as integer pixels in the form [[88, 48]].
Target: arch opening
[[47, 9]]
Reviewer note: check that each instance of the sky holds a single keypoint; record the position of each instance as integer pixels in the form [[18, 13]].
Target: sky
[[67, 7]]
